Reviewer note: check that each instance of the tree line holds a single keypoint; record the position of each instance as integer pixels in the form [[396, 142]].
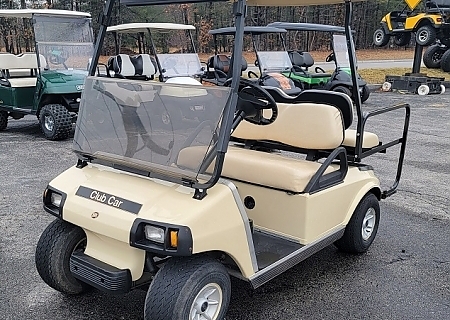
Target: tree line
[[16, 34]]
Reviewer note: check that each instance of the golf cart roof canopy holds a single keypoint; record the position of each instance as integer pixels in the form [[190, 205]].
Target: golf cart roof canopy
[[28, 13], [247, 30], [249, 2], [307, 27], [143, 27]]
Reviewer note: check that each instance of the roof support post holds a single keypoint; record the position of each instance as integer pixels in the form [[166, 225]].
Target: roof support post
[[104, 21]]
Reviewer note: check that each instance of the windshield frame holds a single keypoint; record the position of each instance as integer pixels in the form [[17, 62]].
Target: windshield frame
[[47, 18]]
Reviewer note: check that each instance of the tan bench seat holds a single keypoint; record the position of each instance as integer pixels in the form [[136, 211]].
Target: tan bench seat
[[258, 167], [22, 82]]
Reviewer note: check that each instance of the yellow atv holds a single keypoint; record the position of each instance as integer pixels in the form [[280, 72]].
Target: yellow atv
[[428, 26]]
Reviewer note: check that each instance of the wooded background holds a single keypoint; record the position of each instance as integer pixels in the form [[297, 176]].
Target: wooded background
[[16, 35]]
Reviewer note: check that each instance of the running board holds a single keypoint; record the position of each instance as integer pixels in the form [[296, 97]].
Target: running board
[[280, 266]]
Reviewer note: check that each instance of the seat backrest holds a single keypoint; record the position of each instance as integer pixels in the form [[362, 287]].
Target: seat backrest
[[143, 65], [296, 58], [337, 99], [308, 60], [313, 126], [123, 66], [22, 61], [222, 62]]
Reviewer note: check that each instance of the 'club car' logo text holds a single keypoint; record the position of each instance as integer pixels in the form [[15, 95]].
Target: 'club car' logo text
[[109, 200]]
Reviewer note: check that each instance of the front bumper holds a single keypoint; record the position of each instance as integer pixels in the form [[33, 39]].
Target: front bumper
[[99, 274]]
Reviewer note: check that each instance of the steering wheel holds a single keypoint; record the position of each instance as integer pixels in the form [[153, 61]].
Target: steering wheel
[[251, 73], [317, 69], [330, 57], [252, 100]]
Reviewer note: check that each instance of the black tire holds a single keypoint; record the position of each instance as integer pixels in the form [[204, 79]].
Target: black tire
[[353, 240], [55, 122], [53, 251], [365, 93], [176, 286], [380, 38], [3, 120], [445, 61], [402, 39], [426, 35], [432, 56], [343, 90]]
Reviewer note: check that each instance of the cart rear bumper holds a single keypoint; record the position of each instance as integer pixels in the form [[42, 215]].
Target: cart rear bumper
[[99, 274]]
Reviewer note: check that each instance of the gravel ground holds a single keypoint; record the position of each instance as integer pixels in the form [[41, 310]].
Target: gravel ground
[[404, 275]]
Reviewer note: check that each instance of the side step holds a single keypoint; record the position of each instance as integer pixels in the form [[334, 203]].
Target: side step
[[276, 255]]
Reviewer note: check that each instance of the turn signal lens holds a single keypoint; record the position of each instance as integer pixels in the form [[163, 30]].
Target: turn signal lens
[[174, 239], [153, 233]]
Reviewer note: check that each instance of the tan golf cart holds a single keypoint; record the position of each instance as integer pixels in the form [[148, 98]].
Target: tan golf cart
[[248, 188]]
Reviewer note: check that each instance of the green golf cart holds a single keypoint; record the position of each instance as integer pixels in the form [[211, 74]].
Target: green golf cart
[[48, 82], [340, 80]]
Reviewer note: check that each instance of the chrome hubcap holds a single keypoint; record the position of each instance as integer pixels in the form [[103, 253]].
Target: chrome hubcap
[[207, 303], [379, 37], [423, 36], [49, 123], [368, 223], [165, 118]]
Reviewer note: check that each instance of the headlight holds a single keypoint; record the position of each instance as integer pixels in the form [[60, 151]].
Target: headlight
[[55, 199], [153, 233]]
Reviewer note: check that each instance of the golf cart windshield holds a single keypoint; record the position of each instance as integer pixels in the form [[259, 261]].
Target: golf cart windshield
[[274, 61], [156, 128], [65, 42], [180, 64], [341, 51]]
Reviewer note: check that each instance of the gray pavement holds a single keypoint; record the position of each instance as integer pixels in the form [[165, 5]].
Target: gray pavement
[[404, 275]]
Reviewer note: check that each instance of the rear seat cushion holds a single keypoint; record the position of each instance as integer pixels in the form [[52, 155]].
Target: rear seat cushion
[[143, 65], [370, 139], [262, 168]]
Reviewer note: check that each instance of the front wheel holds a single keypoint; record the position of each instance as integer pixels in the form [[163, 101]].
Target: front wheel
[[362, 227], [3, 120], [402, 39], [426, 35], [55, 121], [54, 249], [189, 288]]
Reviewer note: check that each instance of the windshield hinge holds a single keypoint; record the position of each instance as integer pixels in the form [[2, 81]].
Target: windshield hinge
[[81, 163], [199, 194]]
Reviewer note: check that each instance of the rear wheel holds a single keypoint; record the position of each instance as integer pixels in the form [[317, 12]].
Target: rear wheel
[[445, 61], [380, 38], [343, 90], [365, 93], [189, 288], [426, 35], [55, 121], [362, 227], [402, 39], [3, 120], [432, 56], [54, 249]]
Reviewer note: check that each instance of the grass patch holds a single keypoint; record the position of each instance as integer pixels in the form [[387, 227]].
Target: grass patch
[[377, 76]]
